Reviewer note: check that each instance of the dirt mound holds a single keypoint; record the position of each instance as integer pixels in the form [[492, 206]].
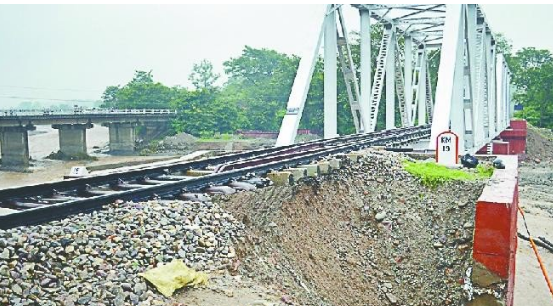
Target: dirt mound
[[369, 234], [181, 139], [539, 144]]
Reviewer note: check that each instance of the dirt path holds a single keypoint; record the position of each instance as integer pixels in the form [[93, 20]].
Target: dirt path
[[536, 199]]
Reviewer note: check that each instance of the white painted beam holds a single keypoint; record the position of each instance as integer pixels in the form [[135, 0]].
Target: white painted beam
[[421, 93], [365, 81], [330, 77], [408, 75], [390, 83], [302, 82], [449, 90]]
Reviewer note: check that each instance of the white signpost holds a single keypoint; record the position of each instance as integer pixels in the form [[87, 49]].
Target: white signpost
[[447, 148], [78, 171]]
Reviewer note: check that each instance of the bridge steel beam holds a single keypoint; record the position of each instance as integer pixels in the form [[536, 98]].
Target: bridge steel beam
[[491, 58], [473, 93], [448, 110], [421, 91], [300, 88], [72, 138], [14, 141], [408, 76], [390, 82], [122, 137], [365, 46], [472, 96], [472, 104], [330, 76]]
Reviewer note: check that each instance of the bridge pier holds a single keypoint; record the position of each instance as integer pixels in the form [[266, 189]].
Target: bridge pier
[[152, 130], [122, 137], [15, 146], [72, 138]]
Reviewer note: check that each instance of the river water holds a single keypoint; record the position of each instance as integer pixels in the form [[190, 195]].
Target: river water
[[44, 140]]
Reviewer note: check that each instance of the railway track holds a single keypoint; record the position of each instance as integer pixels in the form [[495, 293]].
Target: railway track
[[188, 180]]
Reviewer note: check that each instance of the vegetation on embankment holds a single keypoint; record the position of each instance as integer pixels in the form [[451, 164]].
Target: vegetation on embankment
[[433, 175], [59, 155]]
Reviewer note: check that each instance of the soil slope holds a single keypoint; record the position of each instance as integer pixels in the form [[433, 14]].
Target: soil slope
[[369, 234]]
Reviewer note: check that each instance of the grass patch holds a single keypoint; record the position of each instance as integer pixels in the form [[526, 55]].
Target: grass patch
[[484, 171], [433, 175], [217, 137]]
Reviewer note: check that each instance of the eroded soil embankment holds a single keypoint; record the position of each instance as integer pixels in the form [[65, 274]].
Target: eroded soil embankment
[[368, 234]]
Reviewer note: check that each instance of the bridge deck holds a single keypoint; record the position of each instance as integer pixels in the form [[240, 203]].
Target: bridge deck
[[13, 118]]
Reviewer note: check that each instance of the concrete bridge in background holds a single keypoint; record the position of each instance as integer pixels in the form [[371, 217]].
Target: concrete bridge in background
[[72, 126]]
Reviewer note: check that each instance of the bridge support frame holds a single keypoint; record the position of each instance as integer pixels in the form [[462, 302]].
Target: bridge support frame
[[330, 79], [122, 137], [473, 93], [365, 54], [14, 142], [72, 138], [151, 130]]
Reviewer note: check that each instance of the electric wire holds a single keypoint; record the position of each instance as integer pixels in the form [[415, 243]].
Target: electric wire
[[542, 266]]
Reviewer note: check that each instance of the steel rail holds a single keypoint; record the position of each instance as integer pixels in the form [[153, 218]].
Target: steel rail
[[95, 180], [259, 165]]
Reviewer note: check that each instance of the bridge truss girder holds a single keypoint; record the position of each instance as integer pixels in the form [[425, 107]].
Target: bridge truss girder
[[472, 94]]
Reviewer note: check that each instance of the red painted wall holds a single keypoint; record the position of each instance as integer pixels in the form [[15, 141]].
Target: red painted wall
[[495, 231], [500, 147]]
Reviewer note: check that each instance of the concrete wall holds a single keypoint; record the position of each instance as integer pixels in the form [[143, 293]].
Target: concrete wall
[[495, 236]]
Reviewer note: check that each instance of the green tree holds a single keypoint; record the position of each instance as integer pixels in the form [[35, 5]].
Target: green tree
[[203, 76], [502, 44], [140, 92], [532, 74], [260, 81], [109, 97], [142, 77], [200, 112]]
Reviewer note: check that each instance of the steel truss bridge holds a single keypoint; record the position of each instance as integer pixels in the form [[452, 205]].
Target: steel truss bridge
[[472, 95]]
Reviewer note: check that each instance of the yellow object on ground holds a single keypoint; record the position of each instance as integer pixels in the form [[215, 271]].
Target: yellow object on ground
[[170, 277]]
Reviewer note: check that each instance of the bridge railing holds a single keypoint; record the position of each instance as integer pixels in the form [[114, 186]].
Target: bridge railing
[[82, 111]]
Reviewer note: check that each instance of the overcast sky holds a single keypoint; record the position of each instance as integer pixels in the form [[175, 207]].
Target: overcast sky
[[65, 52]]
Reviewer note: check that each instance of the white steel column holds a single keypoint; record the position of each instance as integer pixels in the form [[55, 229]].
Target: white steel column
[[491, 89], [508, 98], [330, 77], [449, 90], [421, 92], [300, 88], [481, 48], [390, 83], [500, 93], [470, 28], [408, 76], [365, 81]]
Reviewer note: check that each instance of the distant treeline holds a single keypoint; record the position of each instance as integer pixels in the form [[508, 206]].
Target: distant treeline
[[532, 75], [259, 82], [254, 96]]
